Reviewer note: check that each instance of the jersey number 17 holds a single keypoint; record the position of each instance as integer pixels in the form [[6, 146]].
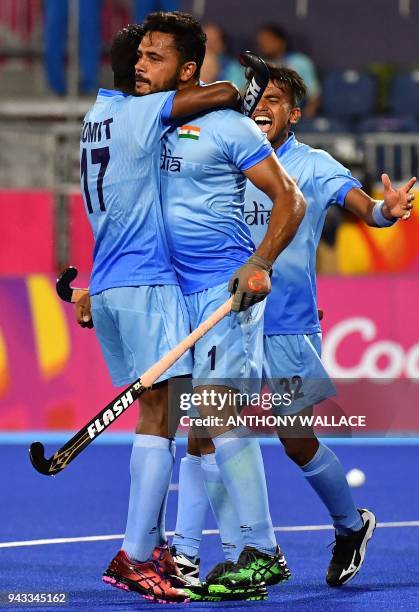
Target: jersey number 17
[[98, 156]]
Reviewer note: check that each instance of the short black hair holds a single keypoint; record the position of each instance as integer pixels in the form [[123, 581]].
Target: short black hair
[[124, 55], [287, 78], [190, 39], [274, 29], [290, 79]]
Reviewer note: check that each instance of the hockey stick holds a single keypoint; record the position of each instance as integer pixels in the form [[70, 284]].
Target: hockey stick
[[258, 82], [64, 290], [117, 406], [68, 293]]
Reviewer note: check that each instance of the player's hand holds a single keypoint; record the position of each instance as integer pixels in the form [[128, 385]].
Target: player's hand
[[398, 203], [249, 284], [83, 311]]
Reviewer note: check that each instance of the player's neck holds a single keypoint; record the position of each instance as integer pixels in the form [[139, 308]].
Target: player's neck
[[280, 140]]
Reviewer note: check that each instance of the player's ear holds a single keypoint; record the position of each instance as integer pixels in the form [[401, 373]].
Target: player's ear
[[295, 115], [187, 71]]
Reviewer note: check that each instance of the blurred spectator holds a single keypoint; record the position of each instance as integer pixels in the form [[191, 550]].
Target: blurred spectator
[[56, 38], [273, 45], [218, 66], [143, 7]]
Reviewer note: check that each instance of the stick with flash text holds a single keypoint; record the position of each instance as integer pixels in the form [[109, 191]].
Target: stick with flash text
[[101, 421]]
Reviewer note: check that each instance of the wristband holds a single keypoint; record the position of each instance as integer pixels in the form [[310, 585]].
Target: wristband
[[379, 219], [261, 262]]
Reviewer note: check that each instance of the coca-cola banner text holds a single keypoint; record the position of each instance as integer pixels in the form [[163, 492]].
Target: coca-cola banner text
[[371, 326]]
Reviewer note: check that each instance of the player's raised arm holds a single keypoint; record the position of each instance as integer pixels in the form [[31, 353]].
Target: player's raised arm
[[197, 99], [288, 206], [397, 203]]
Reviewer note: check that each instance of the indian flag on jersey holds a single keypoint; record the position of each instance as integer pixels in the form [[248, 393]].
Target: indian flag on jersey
[[189, 131]]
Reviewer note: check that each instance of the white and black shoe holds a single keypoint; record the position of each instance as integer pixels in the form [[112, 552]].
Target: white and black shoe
[[349, 552], [188, 566]]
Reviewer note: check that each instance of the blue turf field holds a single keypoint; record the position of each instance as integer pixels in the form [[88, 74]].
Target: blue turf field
[[90, 499]]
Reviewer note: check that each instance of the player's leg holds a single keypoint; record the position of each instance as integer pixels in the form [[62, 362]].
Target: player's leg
[[135, 325], [353, 527], [152, 448], [226, 360], [199, 483], [156, 428], [210, 486], [300, 357], [222, 507], [191, 512]]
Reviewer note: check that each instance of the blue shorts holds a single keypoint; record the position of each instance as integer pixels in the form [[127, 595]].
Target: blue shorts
[[292, 365], [136, 326], [231, 353]]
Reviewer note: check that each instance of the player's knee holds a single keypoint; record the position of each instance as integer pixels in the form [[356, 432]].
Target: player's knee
[[197, 445], [153, 418], [293, 449], [206, 446], [193, 443], [300, 450]]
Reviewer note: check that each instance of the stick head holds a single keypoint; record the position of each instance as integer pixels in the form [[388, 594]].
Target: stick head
[[37, 457], [64, 290], [248, 59], [257, 73]]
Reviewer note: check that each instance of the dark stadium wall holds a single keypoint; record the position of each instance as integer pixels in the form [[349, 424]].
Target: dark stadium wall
[[335, 33]]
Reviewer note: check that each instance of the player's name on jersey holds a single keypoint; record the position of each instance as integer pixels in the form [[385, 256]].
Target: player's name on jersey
[[258, 215], [96, 131], [169, 162]]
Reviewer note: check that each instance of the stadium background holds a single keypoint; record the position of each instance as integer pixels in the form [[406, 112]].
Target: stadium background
[[52, 375]]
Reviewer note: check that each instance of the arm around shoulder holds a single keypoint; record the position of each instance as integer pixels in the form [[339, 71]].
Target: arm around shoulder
[[198, 99]]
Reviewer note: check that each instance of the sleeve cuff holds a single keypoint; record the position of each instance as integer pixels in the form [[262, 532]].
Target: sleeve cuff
[[343, 191], [254, 159]]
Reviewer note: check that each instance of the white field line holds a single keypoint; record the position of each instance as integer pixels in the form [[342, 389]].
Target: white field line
[[119, 536]]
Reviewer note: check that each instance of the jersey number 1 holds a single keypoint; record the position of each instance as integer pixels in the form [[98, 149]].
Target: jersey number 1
[[98, 156]]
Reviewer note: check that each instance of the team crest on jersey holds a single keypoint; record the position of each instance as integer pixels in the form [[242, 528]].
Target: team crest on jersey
[[189, 131]]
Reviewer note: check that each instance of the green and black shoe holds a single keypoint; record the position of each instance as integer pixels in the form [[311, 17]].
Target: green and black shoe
[[253, 568], [203, 594], [210, 590]]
